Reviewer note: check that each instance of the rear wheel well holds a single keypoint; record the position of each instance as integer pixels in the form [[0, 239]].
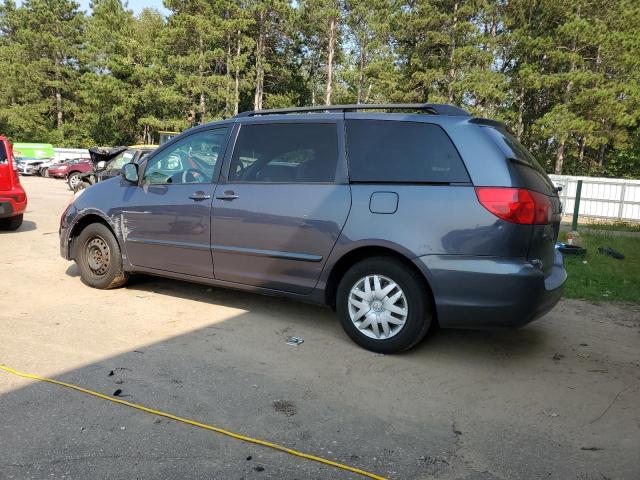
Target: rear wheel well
[[82, 224], [354, 256]]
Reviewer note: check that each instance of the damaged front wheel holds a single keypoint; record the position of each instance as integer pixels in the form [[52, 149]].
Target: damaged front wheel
[[98, 257]]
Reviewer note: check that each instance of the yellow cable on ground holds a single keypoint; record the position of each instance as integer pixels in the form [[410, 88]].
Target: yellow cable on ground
[[193, 423]]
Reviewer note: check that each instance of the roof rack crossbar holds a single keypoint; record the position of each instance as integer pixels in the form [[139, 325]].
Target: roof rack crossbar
[[432, 108]]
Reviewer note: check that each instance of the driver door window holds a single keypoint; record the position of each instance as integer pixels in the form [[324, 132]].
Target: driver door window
[[192, 159]]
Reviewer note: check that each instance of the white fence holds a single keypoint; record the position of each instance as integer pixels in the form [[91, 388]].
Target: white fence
[[613, 198], [69, 153]]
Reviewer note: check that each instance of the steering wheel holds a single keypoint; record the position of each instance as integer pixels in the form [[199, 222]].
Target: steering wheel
[[193, 175]]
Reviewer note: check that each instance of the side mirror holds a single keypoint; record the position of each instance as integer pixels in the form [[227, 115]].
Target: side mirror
[[101, 165], [130, 172]]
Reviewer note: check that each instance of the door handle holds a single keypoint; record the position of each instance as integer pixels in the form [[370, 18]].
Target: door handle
[[227, 195], [198, 196]]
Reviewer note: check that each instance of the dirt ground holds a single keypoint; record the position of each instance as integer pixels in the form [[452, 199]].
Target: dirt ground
[[558, 399]]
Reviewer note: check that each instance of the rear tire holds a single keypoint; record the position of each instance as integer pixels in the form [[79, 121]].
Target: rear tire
[[390, 315], [99, 259], [11, 223]]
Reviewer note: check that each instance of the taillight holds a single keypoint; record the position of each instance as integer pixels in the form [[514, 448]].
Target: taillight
[[16, 177], [515, 205]]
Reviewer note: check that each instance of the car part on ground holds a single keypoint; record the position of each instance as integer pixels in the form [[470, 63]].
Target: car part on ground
[[568, 249], [437, 217], [611, 252]]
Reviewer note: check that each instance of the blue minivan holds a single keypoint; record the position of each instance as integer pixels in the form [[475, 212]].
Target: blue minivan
[[397, 216]]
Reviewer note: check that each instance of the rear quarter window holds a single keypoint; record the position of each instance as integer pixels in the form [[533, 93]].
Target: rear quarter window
[[529, 171], [393, 151], [3, 152]]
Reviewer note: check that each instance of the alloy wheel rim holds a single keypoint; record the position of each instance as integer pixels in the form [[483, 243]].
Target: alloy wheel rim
[[74, 180], [378, 307], [98, 256]]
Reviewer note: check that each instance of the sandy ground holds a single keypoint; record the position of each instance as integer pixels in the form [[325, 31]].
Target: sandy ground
[[558, 399]]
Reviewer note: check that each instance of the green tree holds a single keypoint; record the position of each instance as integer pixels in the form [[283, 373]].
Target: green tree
[[42, 39]]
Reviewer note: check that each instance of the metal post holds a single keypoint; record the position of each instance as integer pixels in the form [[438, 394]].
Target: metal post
[[621, 209], [576, 207]]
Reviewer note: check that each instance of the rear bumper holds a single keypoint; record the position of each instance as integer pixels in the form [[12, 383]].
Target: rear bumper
[[490, 292], [10, 206]]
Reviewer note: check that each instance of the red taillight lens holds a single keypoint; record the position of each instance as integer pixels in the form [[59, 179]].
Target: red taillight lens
[[515, 205]]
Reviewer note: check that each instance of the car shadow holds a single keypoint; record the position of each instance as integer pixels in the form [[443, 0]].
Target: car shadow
[[236, 372], [496, 344], [27, 226]]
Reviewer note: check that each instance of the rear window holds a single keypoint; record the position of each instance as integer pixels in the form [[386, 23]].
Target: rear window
[[392, 151], [3, 153], [530, 173], [513, 148]]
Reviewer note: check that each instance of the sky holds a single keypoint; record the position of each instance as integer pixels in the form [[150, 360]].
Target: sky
[[136, 5]]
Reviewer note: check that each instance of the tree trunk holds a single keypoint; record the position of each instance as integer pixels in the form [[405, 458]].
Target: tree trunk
[[452, 69], [366, 99], [330, 54], [520, 125], [236, 91], [58, 108], [360, 74], [567, 97], [201, 103], [260, 45], [202, 107], [601, 151], [227, 106], [560, 156]]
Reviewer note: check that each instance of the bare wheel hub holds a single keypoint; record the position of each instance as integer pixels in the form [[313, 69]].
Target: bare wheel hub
[[98, 255]]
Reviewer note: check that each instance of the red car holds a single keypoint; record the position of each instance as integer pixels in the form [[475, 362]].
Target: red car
[[13, 199], [68, 168]]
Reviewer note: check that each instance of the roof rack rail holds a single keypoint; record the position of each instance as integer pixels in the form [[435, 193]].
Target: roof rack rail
[[432, 108]]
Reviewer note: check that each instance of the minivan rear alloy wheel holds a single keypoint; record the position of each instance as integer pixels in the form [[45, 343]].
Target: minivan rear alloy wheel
[[383, 305], [98, 257]]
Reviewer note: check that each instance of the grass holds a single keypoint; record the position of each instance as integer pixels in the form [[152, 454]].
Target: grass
[[600, 277], [591, 224], [616, 225]]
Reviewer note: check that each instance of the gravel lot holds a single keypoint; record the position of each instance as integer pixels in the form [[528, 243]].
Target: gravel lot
[[558, 399]]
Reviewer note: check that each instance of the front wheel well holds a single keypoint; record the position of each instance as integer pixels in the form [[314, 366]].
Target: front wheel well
[[83, 223], [354, 256]]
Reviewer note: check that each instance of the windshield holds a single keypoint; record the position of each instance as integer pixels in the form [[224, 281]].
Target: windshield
[[119, 160]]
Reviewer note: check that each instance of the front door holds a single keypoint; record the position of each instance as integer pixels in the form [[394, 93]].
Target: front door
[[167, 218], [283, 205]]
